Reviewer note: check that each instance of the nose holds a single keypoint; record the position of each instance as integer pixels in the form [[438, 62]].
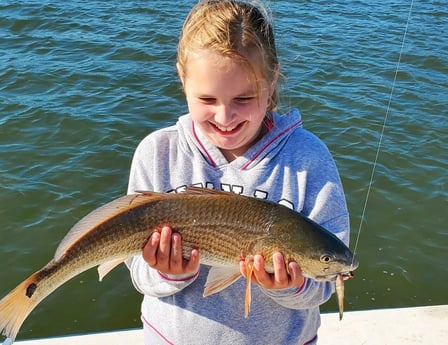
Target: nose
[[224, 115]]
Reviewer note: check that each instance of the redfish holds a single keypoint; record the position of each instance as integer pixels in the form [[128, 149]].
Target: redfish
[[224, 226]]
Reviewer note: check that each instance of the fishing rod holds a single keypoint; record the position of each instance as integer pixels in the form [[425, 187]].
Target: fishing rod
[[383, 127]]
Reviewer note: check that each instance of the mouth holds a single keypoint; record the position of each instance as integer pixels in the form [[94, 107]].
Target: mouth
[[229, 130]]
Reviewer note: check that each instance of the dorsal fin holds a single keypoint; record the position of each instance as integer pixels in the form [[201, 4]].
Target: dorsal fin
[[102, 214], [204, 191]]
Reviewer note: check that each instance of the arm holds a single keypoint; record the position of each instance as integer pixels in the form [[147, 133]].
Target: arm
[[160, 270], [324, 202]]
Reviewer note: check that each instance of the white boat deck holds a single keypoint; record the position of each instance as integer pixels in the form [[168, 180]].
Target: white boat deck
[[418, 325]]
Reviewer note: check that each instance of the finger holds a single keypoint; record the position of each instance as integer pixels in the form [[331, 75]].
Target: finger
[[297, 279], [280, 274], [262, 277], [193, 263], [150, 249], [164, 250], [176, 253]]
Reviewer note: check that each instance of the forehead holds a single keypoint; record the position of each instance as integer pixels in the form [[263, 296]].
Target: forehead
[[211, 72], [214, 58]]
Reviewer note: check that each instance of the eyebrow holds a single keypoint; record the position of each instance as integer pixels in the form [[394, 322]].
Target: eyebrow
[[246, 93]]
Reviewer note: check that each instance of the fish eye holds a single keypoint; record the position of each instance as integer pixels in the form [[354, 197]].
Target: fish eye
[[326, 258]]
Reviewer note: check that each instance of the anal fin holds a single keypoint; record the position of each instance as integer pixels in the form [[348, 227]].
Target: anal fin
[[106, 267], [219, 278]]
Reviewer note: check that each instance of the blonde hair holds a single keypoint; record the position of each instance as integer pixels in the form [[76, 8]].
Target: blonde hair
[[235, 29]]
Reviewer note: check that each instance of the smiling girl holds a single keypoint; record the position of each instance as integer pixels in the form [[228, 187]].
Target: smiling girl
[[233, 139], [224, 102]]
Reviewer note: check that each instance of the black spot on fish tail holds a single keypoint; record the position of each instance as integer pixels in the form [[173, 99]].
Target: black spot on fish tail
[[31, 289]]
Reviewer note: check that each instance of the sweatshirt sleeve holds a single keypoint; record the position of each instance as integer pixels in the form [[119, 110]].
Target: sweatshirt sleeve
[[145, 279], [311, 295]]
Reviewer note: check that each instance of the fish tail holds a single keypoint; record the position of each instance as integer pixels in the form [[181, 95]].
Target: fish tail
[[17, 305]]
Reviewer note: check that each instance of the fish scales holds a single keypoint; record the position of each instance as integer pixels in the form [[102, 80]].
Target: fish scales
[[223, 237]]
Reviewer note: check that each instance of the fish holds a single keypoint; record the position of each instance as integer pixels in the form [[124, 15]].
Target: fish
[[224, 226], [339, 288]]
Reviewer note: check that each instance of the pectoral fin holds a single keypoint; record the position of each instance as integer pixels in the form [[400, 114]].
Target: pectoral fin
[[220, 278], [106, 267]]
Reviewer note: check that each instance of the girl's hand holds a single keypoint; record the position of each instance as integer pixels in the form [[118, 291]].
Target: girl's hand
[[163, 252], [280, 279]]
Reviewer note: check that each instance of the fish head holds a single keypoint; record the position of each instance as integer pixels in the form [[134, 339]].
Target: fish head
[[320, 254], [329, 265]]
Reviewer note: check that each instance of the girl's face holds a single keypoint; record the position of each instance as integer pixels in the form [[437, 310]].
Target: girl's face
[[224, 101]]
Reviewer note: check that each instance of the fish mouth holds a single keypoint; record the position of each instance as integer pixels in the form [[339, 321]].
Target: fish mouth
[[333, 277]]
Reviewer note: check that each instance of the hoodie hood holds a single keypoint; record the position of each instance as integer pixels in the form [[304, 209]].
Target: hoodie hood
[[193, 142]]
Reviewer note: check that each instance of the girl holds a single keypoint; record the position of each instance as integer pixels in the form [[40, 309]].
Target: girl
[[234, 140]]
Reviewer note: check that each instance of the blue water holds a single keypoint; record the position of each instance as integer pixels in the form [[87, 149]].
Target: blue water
[[83, 81]]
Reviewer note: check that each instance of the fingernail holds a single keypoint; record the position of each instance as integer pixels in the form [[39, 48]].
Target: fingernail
[[155, 237], [278, 258]]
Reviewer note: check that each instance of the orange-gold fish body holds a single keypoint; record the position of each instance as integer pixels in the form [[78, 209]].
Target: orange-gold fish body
[[224, 226]]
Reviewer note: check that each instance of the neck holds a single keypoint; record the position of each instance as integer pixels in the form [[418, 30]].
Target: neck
[[231, 155]]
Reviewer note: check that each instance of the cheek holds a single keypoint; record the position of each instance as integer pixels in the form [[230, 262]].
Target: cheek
[[199, 111], [256, 111]]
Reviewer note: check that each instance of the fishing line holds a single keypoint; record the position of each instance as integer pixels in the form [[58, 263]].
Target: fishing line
[[380, 141]]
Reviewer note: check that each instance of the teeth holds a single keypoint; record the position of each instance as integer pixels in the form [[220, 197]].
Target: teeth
[[225, 129]]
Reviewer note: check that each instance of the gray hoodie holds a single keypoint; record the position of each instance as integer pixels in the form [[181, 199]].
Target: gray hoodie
[[289, 165]]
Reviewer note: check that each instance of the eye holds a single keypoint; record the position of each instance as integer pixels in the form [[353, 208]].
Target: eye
[[326, 258], [207, 100], [244, 99]]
